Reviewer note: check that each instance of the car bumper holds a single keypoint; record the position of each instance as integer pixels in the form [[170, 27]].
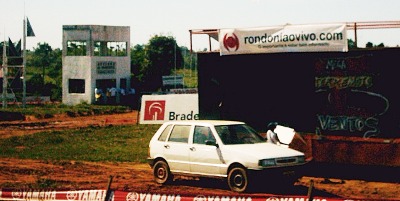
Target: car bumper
[[279, 172]]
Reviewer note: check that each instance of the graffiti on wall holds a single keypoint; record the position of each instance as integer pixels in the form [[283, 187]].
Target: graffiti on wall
[[347, 99]]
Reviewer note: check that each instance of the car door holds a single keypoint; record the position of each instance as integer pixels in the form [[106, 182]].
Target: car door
[[205, 158], [176, 148]]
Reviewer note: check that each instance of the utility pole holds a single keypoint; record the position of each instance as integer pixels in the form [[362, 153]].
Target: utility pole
[[4, 71], [24, 66], [175, 61]]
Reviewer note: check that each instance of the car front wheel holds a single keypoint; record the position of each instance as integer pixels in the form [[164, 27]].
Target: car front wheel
[[238, 179], [161, 172]]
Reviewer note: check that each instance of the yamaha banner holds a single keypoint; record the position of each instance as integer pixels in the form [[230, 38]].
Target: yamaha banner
[[286, 38], [103, 195]]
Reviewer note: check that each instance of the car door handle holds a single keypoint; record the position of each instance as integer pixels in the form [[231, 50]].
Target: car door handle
[[192, 149], [166, 146]]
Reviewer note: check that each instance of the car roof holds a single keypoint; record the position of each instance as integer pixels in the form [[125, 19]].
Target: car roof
[[206, 122]]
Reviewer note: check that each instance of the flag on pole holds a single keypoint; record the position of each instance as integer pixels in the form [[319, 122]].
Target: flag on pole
[[12, 50], [29, 29], [18, 48]]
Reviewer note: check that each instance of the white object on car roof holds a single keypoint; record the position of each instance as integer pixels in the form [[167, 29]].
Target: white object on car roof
[[285, 134]]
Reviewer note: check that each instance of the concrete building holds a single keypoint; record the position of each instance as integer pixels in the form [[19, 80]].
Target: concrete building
[[95, 58]]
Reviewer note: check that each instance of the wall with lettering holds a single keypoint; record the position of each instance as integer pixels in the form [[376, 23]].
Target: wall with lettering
[[356, 94], [347, 94]]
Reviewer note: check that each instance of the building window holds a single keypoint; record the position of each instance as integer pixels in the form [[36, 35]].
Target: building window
[[106, 48], [76, 86], [76, 48]]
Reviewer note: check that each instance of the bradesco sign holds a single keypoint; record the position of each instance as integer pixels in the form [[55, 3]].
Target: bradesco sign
[[286, 38], [156, 109]]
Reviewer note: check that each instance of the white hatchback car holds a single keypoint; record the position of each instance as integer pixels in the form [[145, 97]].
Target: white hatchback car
[[229, 150]]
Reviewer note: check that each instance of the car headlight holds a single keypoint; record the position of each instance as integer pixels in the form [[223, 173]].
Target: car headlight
[[267, 162], [301, 159]]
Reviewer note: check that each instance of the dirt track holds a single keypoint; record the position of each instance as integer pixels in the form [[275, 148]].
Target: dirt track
[[18, 173]]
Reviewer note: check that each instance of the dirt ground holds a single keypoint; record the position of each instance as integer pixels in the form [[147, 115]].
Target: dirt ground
[[21, 173]]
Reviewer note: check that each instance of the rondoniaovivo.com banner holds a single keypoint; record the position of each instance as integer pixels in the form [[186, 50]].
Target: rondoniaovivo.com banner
[[286, 38]]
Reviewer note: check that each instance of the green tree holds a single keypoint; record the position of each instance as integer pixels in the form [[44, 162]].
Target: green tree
[[369, 45], [189, 58], [41, 58], [138, 61], [351, 44], [35, 85], [54, 78], [48, 80], [150, 62]]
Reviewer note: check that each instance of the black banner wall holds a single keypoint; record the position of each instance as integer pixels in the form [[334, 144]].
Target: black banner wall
[[349, 94]]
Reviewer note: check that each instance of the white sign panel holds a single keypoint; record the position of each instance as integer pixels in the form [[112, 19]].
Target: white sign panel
[[287, 38], [172, 80], [157, 109], [106, 67]]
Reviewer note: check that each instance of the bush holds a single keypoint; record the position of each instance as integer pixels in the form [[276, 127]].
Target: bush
[[50, 110]]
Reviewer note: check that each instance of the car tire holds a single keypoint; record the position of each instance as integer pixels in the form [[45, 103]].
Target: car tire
[[238, 179], [161, 172]]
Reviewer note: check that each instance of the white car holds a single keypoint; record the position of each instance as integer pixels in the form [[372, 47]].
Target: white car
[[229, 150]]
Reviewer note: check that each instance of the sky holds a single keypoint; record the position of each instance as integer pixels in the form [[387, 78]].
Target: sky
[[147, 18]]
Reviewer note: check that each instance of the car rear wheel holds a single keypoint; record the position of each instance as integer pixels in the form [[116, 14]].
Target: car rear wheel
[[238, 179], [161, 172]]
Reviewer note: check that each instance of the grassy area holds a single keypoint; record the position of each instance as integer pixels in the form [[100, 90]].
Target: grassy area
[[190, 77], [49, 110], [115, 144]]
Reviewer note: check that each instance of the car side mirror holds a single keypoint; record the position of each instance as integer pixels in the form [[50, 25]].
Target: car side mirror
[[211, 142]]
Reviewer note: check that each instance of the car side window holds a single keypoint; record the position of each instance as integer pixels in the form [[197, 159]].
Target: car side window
[[164, 134], [180, 133], [226, 135], [202, 134]]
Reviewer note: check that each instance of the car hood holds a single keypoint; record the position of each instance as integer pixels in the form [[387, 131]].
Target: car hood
[[261, 150]]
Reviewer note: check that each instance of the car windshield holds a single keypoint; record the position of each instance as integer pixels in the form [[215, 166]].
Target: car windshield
[[238, 134]]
